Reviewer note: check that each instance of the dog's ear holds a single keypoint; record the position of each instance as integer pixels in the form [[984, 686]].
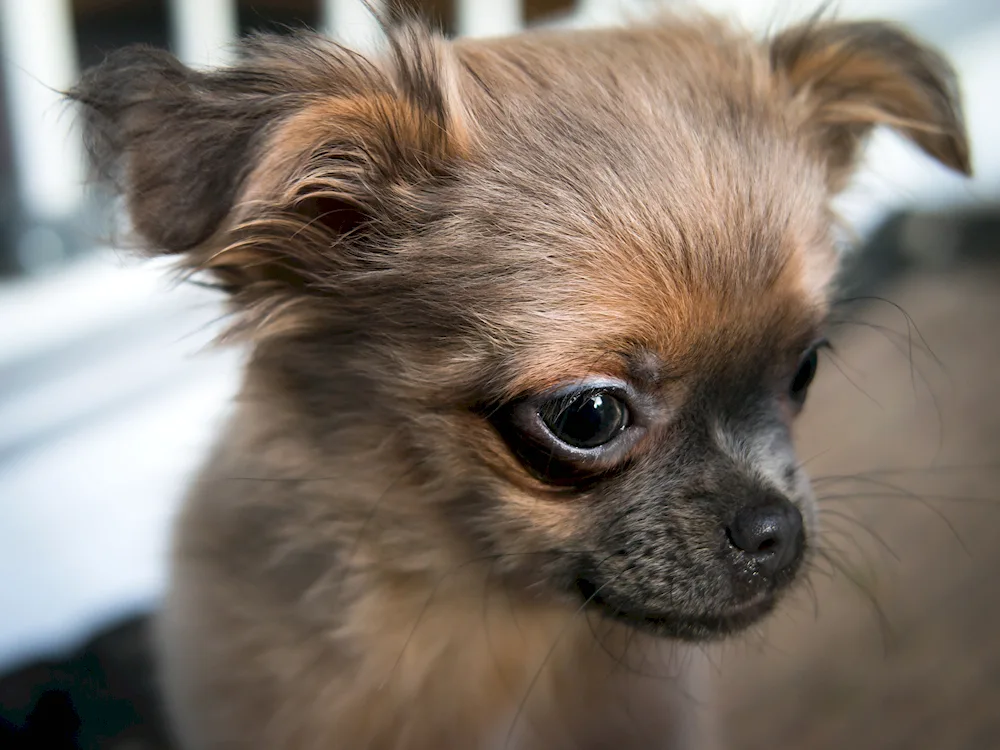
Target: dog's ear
[[268, 173], [848, 77]]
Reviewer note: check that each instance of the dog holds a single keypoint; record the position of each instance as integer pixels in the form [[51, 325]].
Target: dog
[[530, 320]]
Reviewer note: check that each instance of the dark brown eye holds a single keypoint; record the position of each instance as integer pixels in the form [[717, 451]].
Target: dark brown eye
[[804, 376], [585, 420]]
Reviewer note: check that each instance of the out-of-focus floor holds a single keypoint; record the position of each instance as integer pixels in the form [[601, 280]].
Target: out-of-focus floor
[[900, 647]]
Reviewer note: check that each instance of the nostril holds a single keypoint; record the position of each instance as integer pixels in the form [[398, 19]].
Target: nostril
[[767, 544], [771, 533], [758, 529]]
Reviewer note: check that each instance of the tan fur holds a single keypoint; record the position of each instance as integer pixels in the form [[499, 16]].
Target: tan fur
[[418, 245], [429, 654]]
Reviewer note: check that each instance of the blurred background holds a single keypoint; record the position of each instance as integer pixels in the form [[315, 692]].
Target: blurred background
[[109, 398]]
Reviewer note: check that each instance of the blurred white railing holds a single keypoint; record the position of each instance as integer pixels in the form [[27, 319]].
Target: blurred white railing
[[202, 30], [39, 60]]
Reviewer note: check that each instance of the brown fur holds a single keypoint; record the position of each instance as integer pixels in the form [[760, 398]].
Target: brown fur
[[421, 246]]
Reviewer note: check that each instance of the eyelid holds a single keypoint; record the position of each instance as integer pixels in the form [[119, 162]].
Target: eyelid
[[636, 405], [567, 390], [817, 345]]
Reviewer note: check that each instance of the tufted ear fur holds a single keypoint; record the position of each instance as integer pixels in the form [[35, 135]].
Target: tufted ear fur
[[849, 77], [266, 173]]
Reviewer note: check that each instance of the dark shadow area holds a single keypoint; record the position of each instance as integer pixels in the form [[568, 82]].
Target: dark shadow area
[[102, 697]]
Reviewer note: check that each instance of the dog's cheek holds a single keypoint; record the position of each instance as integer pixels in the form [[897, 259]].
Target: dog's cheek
[[522, 535]]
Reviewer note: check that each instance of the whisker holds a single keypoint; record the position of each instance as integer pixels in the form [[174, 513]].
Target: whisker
[[862, 495], [864, 527], [837, 363], [913, 470], [810, 588], [911, 328], [911, 325], [842, 534], [551, 651], [838, 563], [917, 497], [492, 559]]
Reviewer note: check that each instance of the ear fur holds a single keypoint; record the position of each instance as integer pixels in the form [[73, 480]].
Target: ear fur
[[259, 171], [852, 76]]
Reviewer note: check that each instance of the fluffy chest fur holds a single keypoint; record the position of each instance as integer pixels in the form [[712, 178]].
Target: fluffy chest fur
[[344, 646]]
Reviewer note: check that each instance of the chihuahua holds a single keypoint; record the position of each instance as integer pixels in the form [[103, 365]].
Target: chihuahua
[[530, 320]]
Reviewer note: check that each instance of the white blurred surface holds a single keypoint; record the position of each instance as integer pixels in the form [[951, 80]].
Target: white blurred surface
[[86, 517], [110, 394]]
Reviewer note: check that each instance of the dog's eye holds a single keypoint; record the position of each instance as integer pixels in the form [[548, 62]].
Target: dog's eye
[[585, 420], [575, 436], [804, 375]]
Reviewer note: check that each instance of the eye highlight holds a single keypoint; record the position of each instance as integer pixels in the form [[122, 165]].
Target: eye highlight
[[586, 419]]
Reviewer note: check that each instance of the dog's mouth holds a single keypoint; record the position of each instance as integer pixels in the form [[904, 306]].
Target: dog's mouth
[[698, 627]]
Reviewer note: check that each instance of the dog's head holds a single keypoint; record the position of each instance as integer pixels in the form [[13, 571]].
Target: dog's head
[[572, 285]]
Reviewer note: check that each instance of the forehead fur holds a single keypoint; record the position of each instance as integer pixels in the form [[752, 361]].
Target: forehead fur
[[652, 188], [547, 201]]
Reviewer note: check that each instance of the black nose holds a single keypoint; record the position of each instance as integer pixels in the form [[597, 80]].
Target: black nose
[[770, 533]]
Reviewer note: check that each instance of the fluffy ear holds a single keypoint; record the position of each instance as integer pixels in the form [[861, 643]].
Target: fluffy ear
[[850, 77], [258, 172]]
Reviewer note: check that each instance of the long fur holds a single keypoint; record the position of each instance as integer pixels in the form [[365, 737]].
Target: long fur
[[385, 550]]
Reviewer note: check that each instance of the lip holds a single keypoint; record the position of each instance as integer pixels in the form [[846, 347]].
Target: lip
[[698, 627]]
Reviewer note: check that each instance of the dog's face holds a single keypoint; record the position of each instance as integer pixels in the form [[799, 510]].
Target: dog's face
[[574, 284]]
